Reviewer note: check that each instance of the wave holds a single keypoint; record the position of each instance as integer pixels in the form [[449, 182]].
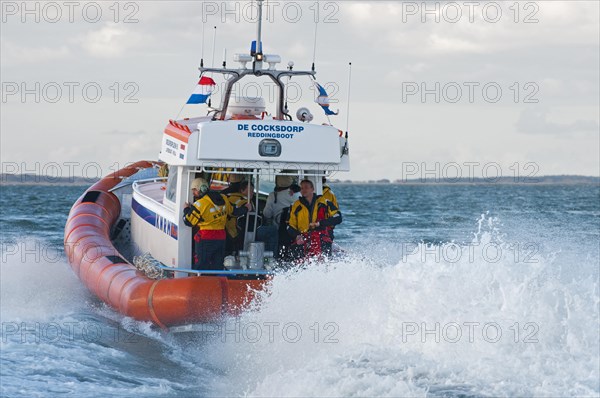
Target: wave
[[488, 317], [447, 319], [37, 283]]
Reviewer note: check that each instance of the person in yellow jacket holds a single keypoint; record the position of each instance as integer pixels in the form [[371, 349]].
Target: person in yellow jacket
[[209, 214], [330, 196], [311, 217], [240, 199], [328, 193]]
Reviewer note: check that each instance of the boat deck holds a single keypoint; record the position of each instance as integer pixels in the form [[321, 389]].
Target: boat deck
[[154, 190]]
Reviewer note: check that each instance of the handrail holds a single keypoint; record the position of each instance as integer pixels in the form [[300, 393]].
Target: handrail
[[153, 179], [121, 184], [136, 190], [311, 173], [217, 272]]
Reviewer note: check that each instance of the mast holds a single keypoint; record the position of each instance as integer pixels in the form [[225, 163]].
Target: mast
[[259, 31], [258, 55]]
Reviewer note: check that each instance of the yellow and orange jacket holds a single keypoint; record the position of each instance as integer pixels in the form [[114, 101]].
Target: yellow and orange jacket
[[237, 201], [320, 210], [209, 214], [330, 196]]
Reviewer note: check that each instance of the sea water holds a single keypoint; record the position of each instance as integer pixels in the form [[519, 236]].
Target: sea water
[[444, 290]]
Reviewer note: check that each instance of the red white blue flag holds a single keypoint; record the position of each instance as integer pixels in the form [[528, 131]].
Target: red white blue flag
[[203, 90], [323, 100]]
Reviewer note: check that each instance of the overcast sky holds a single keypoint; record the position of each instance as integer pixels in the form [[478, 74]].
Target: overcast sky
[[512, 88]]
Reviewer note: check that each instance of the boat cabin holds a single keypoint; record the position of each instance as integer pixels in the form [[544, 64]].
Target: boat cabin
[[237, 137]]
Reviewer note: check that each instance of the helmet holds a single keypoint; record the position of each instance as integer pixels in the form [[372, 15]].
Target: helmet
[[200, 184], [284, 181]]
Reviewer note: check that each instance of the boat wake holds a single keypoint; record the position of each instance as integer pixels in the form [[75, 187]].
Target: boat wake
[[444, 320], [447, 319]]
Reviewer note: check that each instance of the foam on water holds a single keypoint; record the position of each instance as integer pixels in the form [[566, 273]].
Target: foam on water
[[36, 283], [423, 326], [56, 341], [427, 324]]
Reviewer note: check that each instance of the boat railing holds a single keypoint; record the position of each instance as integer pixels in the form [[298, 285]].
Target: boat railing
[[326, 172], [136, 188], [257, 272], [149, 180]]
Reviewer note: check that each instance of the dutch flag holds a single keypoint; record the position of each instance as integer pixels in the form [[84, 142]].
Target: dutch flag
[[203, 90], [323, 100]]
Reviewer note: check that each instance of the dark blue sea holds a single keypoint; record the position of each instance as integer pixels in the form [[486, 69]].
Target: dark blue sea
[[452, 290]]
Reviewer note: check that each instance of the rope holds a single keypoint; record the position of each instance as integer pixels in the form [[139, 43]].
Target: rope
[[149, 266]]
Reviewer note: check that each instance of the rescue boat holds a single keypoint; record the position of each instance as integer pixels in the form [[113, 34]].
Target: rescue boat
[[125, 237]]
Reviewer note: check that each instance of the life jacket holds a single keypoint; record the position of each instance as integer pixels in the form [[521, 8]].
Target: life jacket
[[313, 242], [209, 214], [304, 213], [236, 200], [329, 195]]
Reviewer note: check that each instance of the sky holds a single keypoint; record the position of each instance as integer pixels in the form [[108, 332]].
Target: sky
[[438, 89]]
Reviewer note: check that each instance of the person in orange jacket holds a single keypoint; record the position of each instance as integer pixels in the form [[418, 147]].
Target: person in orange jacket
[[311, 217], [209, 214]]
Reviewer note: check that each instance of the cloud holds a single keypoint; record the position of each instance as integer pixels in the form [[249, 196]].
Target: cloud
[[126, 133], [454, 45], [16, 55], [418, 30], [110, 41], [559, 54], [535, 121]]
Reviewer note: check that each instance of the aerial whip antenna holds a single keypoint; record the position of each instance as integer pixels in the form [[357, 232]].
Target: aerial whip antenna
[[257, 51], [348, 108], [213, 49], [315, 43], [213, 60], [345, 149], [202, 47], [259, 28]]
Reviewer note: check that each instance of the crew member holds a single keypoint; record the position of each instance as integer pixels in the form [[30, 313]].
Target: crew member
[[310, 218], [238, 200], [235, 182], [328, 193], [330, 196], [276, 213], [208, 213]]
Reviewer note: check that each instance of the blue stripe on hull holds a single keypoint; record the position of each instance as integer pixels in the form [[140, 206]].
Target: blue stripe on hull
[[158, 222]]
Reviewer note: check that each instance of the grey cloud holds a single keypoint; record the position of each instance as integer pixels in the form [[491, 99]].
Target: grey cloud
[[126, 133], [535, 121]]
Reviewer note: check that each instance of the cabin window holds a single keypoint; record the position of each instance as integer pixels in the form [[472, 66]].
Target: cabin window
[[170, 193]]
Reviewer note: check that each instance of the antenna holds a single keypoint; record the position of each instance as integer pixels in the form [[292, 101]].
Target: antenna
[[259, 29], [224, 58], [349, 87], [214, 45], [315, 44], [202, 47], [258, 51]]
